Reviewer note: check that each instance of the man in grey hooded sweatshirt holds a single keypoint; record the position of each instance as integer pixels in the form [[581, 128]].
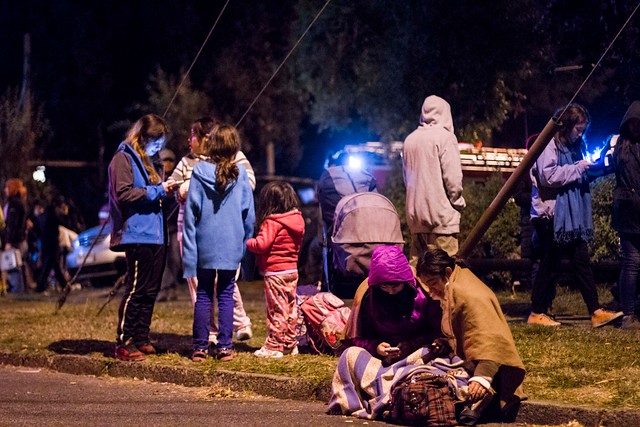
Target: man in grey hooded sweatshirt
[[433, 177]]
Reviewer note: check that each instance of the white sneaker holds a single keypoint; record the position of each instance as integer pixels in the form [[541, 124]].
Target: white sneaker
[[244, 333], [265, 352]]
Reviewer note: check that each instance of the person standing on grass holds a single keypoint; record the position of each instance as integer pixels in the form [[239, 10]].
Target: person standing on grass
[[561, 215], [433, 177], [200, 130], [15, 232], [218, 219], [626, 206], [277, 246], [136, 191]]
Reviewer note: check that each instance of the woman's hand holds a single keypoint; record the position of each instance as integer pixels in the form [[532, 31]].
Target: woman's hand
[[476, 391]]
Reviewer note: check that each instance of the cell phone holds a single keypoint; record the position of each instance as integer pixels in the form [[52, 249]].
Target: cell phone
[[392, 349]]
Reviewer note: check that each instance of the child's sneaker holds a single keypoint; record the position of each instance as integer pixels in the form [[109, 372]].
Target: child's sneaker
[[225, 354], [601, 317], [244, 333], [129, 353], [541, 319], [265, 352], [199, 356]]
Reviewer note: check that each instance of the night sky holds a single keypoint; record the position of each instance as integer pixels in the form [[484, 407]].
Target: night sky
[[91, 62]]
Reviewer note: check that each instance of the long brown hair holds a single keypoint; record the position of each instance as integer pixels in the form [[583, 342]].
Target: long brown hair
[[574, 114], [275, 197], [147, 128], [202, 127], [221, 147]]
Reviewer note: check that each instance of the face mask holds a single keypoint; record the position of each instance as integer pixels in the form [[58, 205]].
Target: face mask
[[154, 146]]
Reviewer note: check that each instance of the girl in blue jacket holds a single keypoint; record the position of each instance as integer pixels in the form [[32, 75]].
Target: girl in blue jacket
[[218, 220], [137, 228]]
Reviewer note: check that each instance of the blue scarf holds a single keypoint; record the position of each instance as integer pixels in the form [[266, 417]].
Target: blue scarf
[[573, 216]]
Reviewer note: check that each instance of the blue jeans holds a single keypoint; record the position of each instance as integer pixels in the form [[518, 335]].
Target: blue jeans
[[224, 280], [629, 268]]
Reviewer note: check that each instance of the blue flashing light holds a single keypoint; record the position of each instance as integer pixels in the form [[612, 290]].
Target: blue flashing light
[[355, 162]]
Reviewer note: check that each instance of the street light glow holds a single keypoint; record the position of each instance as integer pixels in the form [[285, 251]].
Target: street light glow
[[39, 175]]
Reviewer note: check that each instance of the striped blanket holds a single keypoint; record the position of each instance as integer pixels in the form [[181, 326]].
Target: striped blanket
[[361, 385]]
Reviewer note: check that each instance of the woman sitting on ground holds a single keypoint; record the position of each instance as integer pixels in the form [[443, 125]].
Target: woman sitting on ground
[[391, 317], [476, 329]]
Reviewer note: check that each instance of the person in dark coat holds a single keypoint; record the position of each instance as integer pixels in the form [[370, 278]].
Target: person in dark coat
[[15, 233], [626, 205], [52, 219]]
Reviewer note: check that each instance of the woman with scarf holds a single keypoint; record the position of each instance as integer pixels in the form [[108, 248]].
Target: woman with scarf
[[391, 317], [561, 215]]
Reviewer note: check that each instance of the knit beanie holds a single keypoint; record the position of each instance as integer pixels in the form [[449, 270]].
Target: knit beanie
[[388, 264]]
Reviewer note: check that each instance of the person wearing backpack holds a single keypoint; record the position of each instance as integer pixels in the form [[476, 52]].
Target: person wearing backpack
[[391, 316], [277, 246]]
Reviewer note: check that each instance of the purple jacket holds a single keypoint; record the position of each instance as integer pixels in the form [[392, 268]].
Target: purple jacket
[[409, 317]]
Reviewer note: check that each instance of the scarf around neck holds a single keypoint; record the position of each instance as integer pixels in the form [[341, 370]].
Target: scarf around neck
[[573, 216]]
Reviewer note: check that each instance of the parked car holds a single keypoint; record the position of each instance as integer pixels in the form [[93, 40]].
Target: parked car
[[102, 265]]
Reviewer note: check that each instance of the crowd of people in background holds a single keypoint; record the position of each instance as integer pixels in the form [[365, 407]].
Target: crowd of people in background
[[36, 236]]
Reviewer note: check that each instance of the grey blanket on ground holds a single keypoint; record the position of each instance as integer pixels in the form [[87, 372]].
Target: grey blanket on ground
[[361, 386]]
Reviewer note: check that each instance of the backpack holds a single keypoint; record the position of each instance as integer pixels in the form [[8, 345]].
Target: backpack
[[325, 317], [422, 399]]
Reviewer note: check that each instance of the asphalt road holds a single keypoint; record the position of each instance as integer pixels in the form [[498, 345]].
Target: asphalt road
[[30, 397]]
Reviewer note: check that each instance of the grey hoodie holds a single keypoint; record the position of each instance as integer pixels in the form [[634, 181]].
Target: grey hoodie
[[432, 172]]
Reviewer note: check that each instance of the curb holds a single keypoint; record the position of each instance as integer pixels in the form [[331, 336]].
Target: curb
[[278, 386], [282, 387]]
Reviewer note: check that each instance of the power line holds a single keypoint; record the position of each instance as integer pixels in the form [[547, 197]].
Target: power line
[[195, 59], [593, 69], [283, 61]]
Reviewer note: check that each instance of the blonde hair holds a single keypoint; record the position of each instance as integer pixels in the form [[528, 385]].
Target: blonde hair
[[148, 128], [221, 147]]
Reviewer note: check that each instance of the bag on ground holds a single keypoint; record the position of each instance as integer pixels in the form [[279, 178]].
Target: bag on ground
[[325, 317], [422, 399]]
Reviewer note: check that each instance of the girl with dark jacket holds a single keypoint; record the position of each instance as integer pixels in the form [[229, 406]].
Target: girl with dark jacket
[[136, 191]]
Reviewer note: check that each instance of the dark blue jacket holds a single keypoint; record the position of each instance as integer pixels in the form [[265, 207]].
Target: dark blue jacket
[[134, 202]]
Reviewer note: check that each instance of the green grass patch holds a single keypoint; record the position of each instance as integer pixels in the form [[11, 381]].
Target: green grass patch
[[573, 364]]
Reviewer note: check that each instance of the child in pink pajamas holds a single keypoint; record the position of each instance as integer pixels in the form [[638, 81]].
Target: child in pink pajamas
[[277, 246]]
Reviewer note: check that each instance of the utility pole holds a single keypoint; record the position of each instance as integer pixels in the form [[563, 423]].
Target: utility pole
[[271, 159], [25, 92]]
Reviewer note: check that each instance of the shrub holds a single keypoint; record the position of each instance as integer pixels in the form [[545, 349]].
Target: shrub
[[606, 244]]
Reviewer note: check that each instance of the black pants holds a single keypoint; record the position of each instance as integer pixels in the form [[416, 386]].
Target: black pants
[[50, 261], [544, 286], [145, 265]]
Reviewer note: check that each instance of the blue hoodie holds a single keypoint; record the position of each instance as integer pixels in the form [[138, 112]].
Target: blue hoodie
[[216, 225]]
